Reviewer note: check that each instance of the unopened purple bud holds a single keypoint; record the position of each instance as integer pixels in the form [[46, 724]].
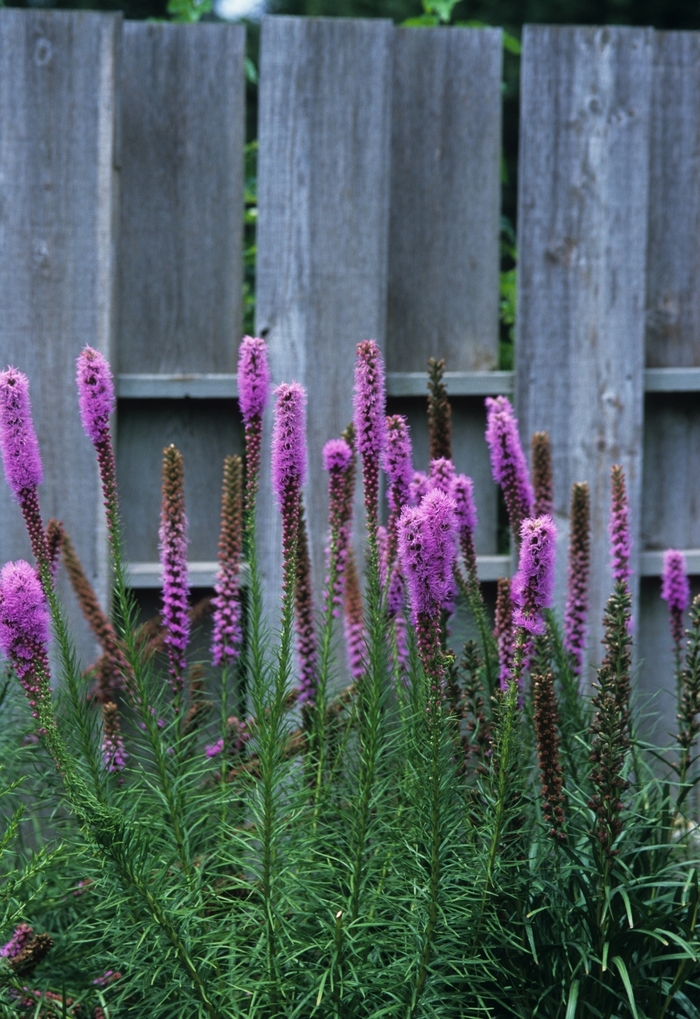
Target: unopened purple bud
[[369, 400], [289, 439], [462, 492], [533, 584], [95, 394], [18, 441], [442, 472], [212, 749], [253, 377], [675, 587], [508, 463], [419, 488], [336, 455], [619, 527], [427, 550]]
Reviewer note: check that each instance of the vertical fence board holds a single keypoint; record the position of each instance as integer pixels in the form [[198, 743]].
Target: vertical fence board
[[323, 200], [582, 230], [57, 79], [180, 253], [445, 199]]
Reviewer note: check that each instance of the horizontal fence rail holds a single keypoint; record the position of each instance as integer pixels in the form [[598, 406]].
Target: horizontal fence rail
[[378, 215]]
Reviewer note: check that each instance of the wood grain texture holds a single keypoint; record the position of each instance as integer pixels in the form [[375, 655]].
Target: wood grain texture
[[57, 192], [445, 199], [205, 431], [582, 230], [323, 200], [181, 182], [673, 297]]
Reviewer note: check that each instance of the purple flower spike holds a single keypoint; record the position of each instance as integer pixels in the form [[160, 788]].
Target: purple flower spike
[[173, 558], [533, 585], [336, 455], [338, 461], [370, 424], [462, 492], [95, 394], [427, 550], [20, 447], [442, 472], [508, 464], [23, 933], [24, 628], [578, 573], [253, 378], [397, 461], [619, 528], [419, 488], [675, 591], [289, 440]]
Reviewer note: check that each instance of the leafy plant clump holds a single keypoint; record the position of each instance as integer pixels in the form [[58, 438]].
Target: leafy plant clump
[[412, 829]]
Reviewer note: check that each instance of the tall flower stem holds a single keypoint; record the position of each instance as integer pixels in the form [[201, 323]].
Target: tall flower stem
[[579, 567], [173, 556]]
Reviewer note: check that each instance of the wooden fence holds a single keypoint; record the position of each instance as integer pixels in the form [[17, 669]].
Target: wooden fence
[[121, 196]]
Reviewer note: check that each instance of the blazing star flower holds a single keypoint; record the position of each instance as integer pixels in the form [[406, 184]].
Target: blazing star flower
[[442, 474], [579, 567], [173, 557], [113, 751], [338, 461], [289, 440], [22, 935], [95, 394], [397, 462], [675, 590], [533, 585], [619, 528], [370, 424], [508, 461], [419, 488], [253, 378], [24, 628], [226, 630], [18, 441], [427, 548], [503, 630]]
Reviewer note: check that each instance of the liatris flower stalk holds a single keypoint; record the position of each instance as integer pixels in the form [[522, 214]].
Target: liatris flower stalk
[[226, 632], [610, 727], [253, 393], [533, 586], [547, 732], [370, 424], [398, 465], [619, 528], [21, 456], [22, 935], [690, 699], [354, 620], [24, 630], [115, 673], [173, 557], [54, 543], [419, 488], [338, 461], [97, 401], [113, 751], [508, 462], [442, 473], [304, 612], [503, 630], [462, 492], [542, 481], [675, 591], [427, 551], [289, 470], [439, 412], [579, 568]]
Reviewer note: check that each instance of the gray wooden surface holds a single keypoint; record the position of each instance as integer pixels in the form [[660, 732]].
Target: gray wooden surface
[[57, 196], [181, 204], [582, 231], [323, 200], [445, 199]]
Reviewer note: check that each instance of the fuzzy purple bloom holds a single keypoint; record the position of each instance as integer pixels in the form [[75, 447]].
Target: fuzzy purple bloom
[[675, 591], [253, 377], [18, 441], [289, 440], [23, 933], [212, 749], [619, 527], [442, 473], [397, 461], [427, 550], [419, 488], [369, 400], [462, 492], [533, 584], [508, 464], [172, 536], [24, 616], [336, 455], [95, 394]]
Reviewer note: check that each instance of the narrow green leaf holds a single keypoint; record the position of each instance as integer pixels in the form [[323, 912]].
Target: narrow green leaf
[[573, 998], [622, 969]]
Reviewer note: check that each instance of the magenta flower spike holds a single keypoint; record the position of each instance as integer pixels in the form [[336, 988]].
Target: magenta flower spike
[[226, 629], [337, 460], [419, 488], [442, 475], [173, 558], [97, 400], [533, 584], [397, 462], [24, 629], [508, 464], [578, 573], [23, 934], [253, 394], [337, 455], [427, 549], [675, 591], [21, 456], [619, 528], [289, 469], [462, 493], [370, 423]]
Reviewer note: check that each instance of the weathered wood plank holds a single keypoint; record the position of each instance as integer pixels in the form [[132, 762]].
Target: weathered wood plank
[[583, 185], [445, 199], [323, 201], [181, 184], [57, 192]]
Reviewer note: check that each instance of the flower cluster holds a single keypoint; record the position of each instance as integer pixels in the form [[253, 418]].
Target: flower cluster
[[508, 461], [173, 557]]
